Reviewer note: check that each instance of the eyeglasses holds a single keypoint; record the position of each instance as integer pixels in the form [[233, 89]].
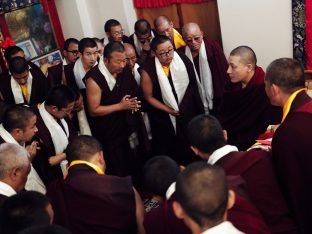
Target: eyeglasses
[[143, 40], [166, 53], [196, 38], [74, 52], [117, 33]]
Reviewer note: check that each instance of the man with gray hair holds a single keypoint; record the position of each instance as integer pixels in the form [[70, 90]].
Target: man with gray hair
[[14, 168]]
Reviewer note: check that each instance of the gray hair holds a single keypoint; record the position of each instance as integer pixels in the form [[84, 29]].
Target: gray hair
[[12, 156]]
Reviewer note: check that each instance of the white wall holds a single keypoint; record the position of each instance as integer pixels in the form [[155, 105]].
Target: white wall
[[86, 18], [264, 25]]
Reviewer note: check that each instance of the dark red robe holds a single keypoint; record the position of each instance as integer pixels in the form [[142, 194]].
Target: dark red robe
[[255, 168], [114, 129], [218, 66], [86, 202], [55, 74], [291, 150], [47, 172], [39, 88], [245, 113]]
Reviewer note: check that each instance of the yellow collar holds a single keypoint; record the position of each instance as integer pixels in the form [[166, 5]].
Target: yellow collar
[[288, 103], [79, 162], [178, 40]]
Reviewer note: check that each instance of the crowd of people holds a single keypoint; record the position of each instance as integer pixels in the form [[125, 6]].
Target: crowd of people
[[158, 132]]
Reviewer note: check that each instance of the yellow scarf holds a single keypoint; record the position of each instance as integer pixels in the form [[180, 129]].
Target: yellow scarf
[[166, 70], [79, 162], [290, 100], [25, 91], [178, 40]]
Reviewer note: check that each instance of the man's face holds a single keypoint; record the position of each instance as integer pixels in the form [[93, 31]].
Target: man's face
[[72, 53], [89, 57], [164, 53], [78, 104], [131, 58], [100, 47], [165, 28], [22, 78], [237, 71], [116, 33], [30, 129], [64, 112], [193, 39], [116, 63], [145, 38]]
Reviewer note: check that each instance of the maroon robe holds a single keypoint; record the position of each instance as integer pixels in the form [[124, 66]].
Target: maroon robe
[[218, 66], [39, 88], [255, 168], [243, 215], [291, 150], [47, 172], [245, 113], [165, 140], [55, 74], [114, 129], [87, 202]]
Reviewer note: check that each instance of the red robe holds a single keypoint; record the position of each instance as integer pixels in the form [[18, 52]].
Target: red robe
[[291, 150], [255, 168], [86, 202], [218, 66], [245, 113]]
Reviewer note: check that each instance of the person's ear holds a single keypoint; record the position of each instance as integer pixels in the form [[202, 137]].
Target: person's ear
[[178, 210], [231, 199], [171, 24], [225, 135], [275, 90], [101, 160], [250, 67]]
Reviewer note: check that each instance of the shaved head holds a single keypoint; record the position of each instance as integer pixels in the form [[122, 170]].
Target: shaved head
[[190, 28], [162, 19], [129, 48], [164, 26], [130, 55], [246, 54], [193, 36]]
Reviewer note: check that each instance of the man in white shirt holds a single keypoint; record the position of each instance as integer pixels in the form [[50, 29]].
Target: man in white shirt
[[14, 168], [203, 198]]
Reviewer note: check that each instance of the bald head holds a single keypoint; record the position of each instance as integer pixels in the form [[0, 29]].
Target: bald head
[[246, 54], [130, 55], [191, 28], [164, 26], [193, 36]]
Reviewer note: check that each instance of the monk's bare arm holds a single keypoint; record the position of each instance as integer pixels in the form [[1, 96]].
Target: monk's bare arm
[[139, 211], [94, 94], [147, 87]]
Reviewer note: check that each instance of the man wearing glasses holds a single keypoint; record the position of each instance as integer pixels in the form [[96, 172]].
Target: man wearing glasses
[[169, 87], [210, 65], [71, 54], [115, 32], [141, 39]]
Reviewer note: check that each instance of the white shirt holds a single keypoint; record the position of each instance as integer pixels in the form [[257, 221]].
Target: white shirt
[[220, 153], [170, 190], [225, 227], [6, 189]]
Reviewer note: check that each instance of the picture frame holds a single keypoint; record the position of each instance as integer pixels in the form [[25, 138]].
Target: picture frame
[[51, 58], [29, 49]]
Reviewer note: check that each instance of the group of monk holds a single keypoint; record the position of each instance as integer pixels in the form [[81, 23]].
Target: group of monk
[[158, 132]]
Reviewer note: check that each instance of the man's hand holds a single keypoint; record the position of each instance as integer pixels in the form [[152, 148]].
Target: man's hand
[[56, 159], [32, 150], [128, 103]]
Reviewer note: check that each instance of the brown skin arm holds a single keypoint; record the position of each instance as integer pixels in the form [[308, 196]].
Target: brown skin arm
[[139, 211], [147, 87]]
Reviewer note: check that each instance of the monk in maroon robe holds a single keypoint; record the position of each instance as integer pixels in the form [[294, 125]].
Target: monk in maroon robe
[[245, 110], [169, 138], [291, 145], [208, 141], [88, 201], [193, 37]]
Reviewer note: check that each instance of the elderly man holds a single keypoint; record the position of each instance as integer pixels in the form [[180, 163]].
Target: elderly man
[[22, 85], [14, 168], [245, 111], [105, 204], [113, 105], [164, 26], [141, 39], [210, 65], [132, 62], [291, 148], [18, 127]]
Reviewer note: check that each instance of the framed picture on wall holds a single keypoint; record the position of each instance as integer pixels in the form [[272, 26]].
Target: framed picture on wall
[[28, 48], [51, 58]]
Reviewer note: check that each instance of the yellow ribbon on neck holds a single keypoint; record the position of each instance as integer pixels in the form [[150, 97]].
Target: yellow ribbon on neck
[[79, 162], [178, 40], [166, 70], [290, 100], [25, 91]]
